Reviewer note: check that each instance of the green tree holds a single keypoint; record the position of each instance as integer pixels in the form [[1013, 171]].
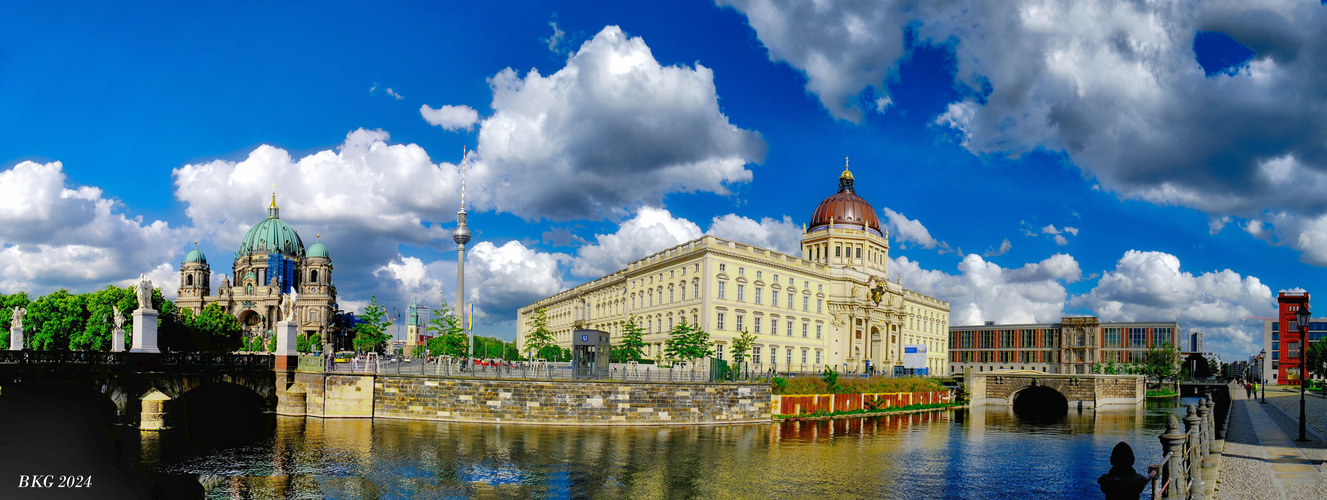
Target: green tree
[[1213, 367], [741, 345], [1161, 362], [687, 342], [370, 335], [302, 344], [632, 348], [540, 339], [1315, 358], [53, 320], [213, 330], [448, 332]]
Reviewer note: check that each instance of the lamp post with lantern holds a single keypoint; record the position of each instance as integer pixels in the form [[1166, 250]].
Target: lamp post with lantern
[[1262, 375], [1302, 321]]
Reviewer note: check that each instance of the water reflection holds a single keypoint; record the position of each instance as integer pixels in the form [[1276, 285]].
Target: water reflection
[[976, 453]]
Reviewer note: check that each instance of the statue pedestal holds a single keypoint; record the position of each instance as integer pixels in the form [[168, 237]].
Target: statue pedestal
[[145, 331], [16, 338], [117, 340], [285, 339]]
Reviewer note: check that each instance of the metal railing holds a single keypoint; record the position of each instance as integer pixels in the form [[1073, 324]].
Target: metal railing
[[112, 359], [535, 370]]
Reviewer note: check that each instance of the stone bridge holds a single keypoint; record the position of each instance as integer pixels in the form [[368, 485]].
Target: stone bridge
[[1090, 391], [127, 378]]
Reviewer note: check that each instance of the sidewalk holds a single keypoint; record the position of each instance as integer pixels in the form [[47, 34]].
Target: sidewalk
[[1261, 460]]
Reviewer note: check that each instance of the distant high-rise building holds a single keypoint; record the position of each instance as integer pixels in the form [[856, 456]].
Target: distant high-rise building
[[1196, 341]]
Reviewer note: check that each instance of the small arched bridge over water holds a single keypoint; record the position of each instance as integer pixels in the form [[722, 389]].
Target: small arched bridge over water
[[1091, 391], [125, 378]]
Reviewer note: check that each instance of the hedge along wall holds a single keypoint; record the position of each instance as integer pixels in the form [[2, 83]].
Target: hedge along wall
[[807, 404]]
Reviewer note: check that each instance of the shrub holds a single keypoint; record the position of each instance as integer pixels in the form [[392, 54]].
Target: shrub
[[809, 385]]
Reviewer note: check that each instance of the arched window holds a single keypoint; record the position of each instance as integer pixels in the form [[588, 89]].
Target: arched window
[[313, 276], [189, 280]]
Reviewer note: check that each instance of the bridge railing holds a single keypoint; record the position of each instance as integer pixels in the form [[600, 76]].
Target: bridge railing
[[139, 360]]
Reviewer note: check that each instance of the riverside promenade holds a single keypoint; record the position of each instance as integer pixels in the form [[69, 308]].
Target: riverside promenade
[[1262, 460]]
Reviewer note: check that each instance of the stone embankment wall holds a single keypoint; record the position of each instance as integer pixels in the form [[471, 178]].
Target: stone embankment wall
[[999, 389], [807, 404], [526, 401]]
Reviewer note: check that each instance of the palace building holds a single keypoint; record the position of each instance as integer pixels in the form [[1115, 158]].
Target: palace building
[[1072, 346], [830, 306], [271, 261]]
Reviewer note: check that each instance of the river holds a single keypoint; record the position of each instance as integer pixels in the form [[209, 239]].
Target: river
[[986, 453]]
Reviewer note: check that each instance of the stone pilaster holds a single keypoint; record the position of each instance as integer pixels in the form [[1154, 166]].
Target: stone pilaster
[[153, 416]]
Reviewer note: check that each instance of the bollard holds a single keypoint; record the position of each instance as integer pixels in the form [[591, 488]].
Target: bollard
[[1172, 441], [1122, 482], [1211, 418]]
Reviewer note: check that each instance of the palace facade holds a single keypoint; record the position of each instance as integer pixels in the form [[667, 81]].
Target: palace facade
[[830, 306], [1074, 345], [271, 261]]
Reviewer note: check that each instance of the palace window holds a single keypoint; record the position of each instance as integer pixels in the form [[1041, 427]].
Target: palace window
[[670, 293], [774, 298], [818, 331], [838, 251], [755, 355], [740, 317], [695, 289], [651, 297], [859, 255], [817, 357], [719, 321], [757, 324], [790, 327], [806, 301], [718, 351], [683, 290], [670, 324], [803, 356], [741, 271], [804, 326], [757, 274], [789, 357], [819, 306], [758, 294], [722, 266], [741, 292], [721, 289], [790, 300]]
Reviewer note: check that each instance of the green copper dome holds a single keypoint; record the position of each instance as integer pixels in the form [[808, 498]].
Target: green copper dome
[[195, 255], [319, 250], [271, 236]]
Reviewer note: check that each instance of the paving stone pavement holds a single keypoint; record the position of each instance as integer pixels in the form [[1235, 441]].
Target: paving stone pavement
[[1262, 461]]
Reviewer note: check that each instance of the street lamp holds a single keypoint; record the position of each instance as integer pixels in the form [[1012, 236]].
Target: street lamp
[[1302, 321], [1262, 375]]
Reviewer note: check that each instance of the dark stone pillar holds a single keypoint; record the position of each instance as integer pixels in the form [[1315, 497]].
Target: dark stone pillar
[[1122, 482]]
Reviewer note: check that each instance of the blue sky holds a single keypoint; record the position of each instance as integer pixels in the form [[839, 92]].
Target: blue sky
[[1030, 160]]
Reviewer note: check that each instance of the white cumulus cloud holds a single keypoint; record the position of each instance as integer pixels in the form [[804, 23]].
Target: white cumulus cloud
[[984, 291], [651, 230], [611, 131], [778, 235], [450, 117]]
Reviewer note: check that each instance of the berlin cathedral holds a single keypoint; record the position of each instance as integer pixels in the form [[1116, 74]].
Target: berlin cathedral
[[271, 261]]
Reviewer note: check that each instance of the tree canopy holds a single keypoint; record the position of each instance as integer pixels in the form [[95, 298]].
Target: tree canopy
[[687, 342], [632, 348], [741, 345], [371, 333], [540, 339], [448, 333]]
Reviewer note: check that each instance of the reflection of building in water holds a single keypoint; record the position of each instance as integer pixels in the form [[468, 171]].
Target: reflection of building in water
[[1073, 345], [832, 305]]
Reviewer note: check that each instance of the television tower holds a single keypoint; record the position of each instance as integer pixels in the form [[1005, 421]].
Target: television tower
[[462, 236]]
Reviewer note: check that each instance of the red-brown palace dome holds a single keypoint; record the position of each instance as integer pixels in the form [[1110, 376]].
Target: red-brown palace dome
[[845, 208]]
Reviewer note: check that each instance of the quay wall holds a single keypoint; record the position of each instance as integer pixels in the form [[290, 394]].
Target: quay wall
[[808, 404], [535, 402]]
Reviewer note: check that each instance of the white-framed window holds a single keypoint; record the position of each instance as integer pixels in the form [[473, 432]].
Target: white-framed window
[[741, 271], [741, 292], [773, 326], [722, 267], [817, 357], [739, 322], [790, 328], [804, 327], [758, 274], [719, 321], [806, 304], [721, 289], [818, 331], [684, 292], [819, 306], [758, 294], [670, 294], [718, 351], [695, 289], [757, 324], [790, 300], [803, 355], [755, 355], [774, 298]]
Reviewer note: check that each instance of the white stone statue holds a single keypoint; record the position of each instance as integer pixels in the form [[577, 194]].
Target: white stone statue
[[117, 318], [143, 291], [16, 321], [287, 306]]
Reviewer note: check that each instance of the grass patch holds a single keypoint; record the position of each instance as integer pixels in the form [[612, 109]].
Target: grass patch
[[872, 411], [1156, 393]]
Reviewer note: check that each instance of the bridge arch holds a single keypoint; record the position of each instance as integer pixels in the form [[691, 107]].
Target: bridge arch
[[220, 411], [1039, 402]]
